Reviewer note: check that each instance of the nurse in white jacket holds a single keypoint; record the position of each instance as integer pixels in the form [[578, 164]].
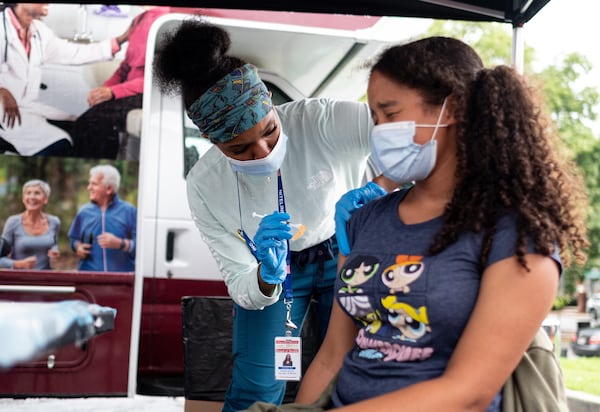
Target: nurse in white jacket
[[26, 43]]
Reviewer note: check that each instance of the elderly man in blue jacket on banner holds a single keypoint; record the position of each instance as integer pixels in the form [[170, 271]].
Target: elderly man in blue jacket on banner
[[103, 232]]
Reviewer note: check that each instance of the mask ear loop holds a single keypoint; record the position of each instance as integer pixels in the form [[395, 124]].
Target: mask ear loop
[[437, 124]]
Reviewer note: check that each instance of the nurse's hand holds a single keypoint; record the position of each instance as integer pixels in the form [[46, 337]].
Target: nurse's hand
[[348, 204], [11, 108], [271, 247]]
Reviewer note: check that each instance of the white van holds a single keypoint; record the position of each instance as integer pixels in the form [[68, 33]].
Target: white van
[[144, 352]]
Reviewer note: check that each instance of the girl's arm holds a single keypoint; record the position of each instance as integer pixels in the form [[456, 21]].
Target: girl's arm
[[326, 364]]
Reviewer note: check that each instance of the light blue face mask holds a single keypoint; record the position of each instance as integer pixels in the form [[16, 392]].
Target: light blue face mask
[[264, 166], [398, 157]]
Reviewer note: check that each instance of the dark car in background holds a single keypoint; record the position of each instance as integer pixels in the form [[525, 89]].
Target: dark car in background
[[586, 342]]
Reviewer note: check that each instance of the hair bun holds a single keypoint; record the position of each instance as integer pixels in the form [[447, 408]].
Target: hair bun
[[210, 42], [193, 56]]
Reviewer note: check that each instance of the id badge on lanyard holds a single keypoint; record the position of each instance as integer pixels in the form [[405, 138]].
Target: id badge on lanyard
[[288, 348], [288, 358]]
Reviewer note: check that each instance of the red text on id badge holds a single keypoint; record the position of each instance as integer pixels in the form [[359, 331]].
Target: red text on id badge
[[288, 358]]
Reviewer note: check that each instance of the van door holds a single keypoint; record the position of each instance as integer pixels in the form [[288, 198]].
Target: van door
[[173, 259], [96, 367], [177, 262]]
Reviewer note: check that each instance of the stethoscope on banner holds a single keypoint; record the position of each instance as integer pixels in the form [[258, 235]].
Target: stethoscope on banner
[[4, 64]]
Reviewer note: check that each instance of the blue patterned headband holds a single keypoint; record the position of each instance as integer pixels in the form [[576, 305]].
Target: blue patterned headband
[[232, 105]]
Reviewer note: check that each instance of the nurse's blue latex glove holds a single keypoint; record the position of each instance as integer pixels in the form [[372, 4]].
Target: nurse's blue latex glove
[[271, 246], [348, 204]]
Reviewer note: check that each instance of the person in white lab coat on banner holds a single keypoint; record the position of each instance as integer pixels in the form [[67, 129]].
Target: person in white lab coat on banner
[[26, 43]]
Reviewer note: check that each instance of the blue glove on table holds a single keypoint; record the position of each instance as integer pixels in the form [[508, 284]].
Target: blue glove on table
[[271, 246], [348, 204]]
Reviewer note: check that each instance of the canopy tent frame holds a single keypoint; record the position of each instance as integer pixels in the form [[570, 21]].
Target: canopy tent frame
[[515, 12]]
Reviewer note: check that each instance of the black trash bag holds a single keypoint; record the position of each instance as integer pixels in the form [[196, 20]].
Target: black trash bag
[[207, 326], [207, 346]]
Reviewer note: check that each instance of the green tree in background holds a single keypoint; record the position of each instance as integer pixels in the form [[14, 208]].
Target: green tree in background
[[570, 104]]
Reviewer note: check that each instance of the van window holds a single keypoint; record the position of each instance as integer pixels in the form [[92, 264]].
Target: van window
[[278, 96], [195, 145]]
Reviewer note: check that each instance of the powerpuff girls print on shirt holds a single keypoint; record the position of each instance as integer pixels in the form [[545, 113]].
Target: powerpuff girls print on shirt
[[392, 318]]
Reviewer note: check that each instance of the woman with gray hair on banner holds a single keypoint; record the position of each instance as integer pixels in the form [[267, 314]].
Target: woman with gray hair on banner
[[263, 197], [33, 234]]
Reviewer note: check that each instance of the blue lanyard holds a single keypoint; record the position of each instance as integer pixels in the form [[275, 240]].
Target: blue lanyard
[[251, 245], [288, 294]]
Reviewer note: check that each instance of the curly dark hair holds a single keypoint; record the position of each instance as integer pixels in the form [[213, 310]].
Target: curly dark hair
[[192, 57], [508, 154]]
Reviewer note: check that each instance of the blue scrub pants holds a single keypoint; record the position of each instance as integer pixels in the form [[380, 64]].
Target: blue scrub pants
[[254, 332]]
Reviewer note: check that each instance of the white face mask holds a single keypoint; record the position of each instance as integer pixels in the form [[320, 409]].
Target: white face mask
[[264, 166], [395, 153]]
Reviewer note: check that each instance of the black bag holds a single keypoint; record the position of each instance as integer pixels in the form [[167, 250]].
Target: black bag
[[207, 325]]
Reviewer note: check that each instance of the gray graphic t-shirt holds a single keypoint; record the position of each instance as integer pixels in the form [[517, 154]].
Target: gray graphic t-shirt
[[410, 308]]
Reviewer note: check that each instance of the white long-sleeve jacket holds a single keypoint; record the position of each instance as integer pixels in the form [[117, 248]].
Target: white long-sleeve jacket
[[327, 150]]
